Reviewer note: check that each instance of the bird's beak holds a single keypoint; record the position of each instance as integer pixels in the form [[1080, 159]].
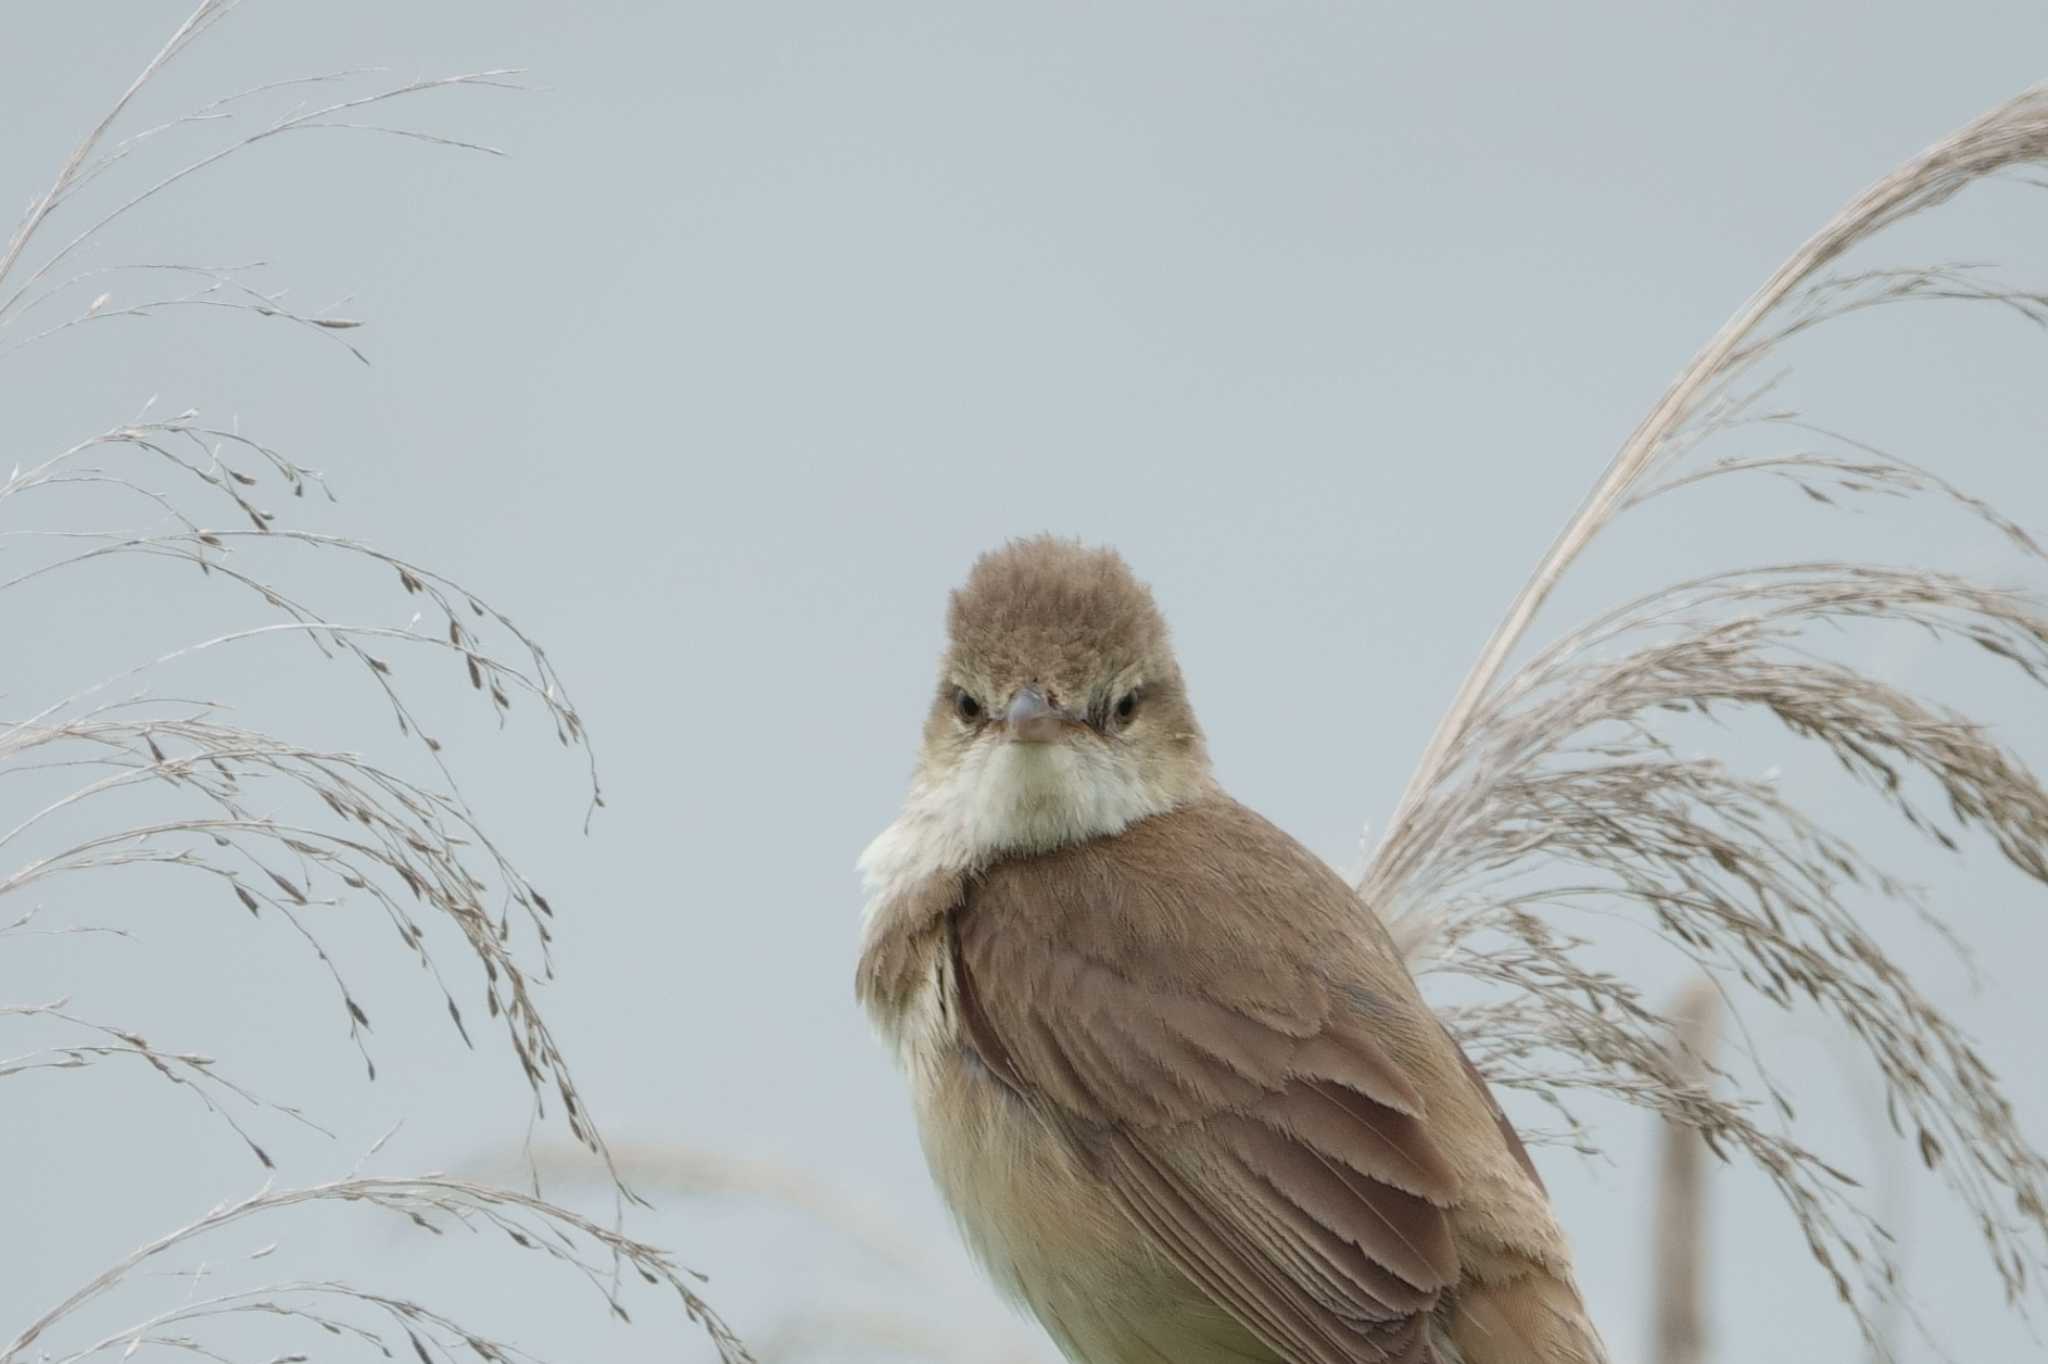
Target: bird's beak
[[1031, 719]]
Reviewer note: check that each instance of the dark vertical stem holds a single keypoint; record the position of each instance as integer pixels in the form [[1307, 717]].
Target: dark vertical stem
[[1679, 1234]]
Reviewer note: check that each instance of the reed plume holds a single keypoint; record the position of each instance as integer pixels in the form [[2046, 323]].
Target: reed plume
[[279, 828], [1553, 788]]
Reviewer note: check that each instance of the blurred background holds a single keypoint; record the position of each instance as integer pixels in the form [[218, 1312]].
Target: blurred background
[[776, 315]]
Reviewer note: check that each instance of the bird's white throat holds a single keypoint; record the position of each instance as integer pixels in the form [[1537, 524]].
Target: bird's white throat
[[1006, 798]]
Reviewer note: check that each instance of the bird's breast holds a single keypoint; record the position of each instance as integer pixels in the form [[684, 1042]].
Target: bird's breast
[[1046, 1230]]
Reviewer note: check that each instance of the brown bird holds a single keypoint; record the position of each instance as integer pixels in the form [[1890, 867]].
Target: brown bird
[[1171, 1075]]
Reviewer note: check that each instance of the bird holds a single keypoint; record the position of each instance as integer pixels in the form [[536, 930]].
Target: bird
[[1171, 1075]]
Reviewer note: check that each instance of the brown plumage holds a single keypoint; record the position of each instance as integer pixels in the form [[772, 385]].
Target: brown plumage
[[1170, 1074]]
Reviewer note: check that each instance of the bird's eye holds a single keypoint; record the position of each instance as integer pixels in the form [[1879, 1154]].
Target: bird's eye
[[1127, 707], [967, 706]]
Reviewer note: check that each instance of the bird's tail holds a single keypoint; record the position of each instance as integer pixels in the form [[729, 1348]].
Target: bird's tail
[[1532, 1318]]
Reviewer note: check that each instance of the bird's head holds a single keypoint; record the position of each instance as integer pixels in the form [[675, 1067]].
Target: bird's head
[[1060, 714]]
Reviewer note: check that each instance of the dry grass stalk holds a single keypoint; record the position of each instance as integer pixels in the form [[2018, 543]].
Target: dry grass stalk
[[1551, 790], [432, 1203], [284, 828], [190, 1071], [1679, 1234]]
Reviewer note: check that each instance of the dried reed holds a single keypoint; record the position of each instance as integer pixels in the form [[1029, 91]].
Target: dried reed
[[1552, 789], [1679, 1234], [283, 828]]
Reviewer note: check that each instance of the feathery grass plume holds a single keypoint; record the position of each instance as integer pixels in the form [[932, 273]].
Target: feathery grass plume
[[379, 1322], [1553, 789], [280, 828]]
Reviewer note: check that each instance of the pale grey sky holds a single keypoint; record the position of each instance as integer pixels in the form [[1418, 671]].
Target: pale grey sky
[[774, 317]]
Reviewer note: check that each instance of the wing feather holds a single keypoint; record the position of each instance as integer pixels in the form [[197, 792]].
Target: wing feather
[[1250, 1113], [1222, 1259], [1279, 1157]]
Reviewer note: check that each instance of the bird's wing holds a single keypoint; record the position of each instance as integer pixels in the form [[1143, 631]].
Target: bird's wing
[[1237, 1105]]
